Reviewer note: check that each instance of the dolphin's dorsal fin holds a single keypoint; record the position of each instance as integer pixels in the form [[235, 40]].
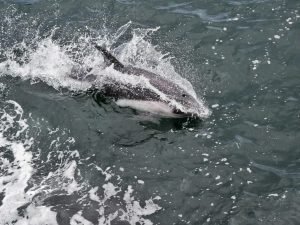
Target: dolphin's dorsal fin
[[112, 60]]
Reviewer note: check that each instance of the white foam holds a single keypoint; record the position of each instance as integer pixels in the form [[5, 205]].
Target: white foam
[[69, 173], [77, 219], [135, 211], [37, 216], [20, 171], [48, 62]]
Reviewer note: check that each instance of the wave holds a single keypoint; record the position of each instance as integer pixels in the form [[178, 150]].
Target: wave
[[43, 184]]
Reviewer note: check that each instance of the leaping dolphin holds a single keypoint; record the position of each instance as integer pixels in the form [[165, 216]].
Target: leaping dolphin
[[161, 97]]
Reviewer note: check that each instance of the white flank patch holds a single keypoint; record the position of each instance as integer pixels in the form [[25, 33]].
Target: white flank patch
[[154, 107]]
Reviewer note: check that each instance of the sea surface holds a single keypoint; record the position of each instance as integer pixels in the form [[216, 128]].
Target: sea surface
[[67, 156]]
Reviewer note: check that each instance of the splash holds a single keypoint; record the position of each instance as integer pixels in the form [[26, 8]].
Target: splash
[[57, 62]]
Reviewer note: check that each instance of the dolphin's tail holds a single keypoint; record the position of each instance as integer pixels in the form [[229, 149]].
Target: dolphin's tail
[[110, 58]]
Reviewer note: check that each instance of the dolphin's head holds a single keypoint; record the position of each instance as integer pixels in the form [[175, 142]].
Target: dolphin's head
[[186, 105], [182, 102]]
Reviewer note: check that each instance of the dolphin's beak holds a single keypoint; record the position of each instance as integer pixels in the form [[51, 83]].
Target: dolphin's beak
[[181, 114]]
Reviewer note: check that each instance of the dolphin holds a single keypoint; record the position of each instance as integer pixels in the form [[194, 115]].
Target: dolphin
[[160, 97]]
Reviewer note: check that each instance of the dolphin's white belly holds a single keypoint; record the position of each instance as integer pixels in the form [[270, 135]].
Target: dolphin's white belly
[[154, 107]]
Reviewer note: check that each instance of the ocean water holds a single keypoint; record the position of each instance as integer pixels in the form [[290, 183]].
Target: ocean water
[[67, 156]]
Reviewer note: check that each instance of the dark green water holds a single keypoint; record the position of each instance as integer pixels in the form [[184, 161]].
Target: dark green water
[[239, 166]]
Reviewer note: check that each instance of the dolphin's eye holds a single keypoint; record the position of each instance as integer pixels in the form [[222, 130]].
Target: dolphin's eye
[[183, 95]]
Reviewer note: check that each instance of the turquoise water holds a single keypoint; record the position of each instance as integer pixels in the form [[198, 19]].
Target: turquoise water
[[68, 157]]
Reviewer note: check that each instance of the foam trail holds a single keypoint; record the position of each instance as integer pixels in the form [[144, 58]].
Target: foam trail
[[16, 174], [30, 188]]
